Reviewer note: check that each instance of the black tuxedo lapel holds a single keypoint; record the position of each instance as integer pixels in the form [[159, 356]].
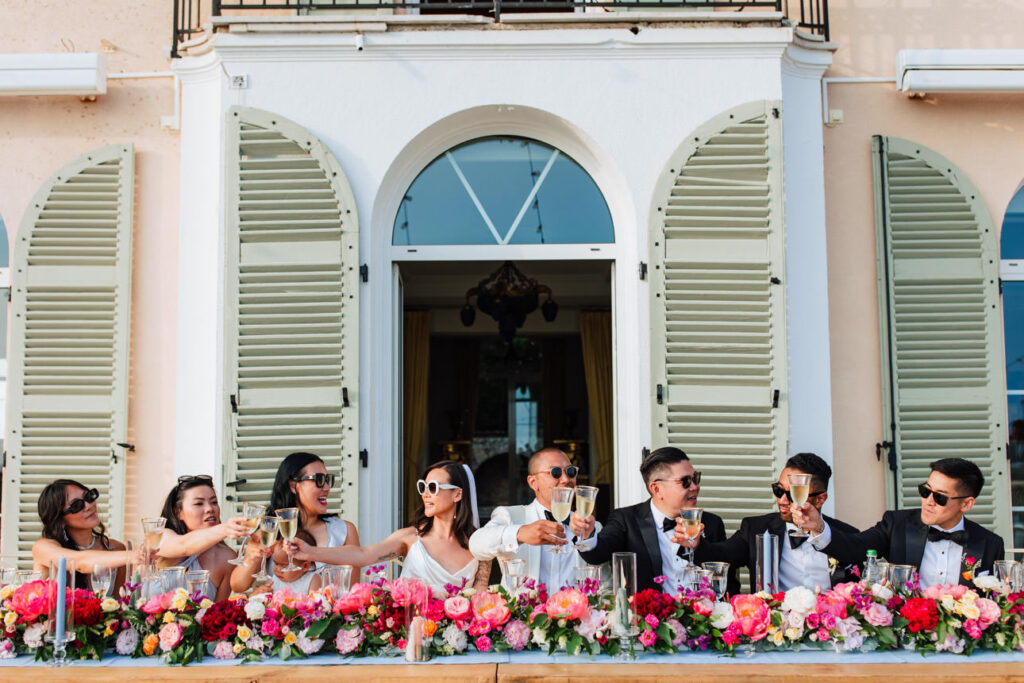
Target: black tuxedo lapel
[[650, 535], [915, 536]]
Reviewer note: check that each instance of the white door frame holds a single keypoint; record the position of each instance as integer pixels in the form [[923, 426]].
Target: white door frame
[[380, 513]]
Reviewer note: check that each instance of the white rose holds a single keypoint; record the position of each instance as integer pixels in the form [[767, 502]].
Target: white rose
[[799, 599], [987, 582], [880, 591], [33, 635], [540, 637], [721, 615], [109, 605], [254, 609]]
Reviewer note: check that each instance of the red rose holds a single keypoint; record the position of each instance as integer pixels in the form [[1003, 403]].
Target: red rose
[[87, 611], [922, 613], [650, 601], [219, 617]]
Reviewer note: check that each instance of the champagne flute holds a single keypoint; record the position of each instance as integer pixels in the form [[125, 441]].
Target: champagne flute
[[586, 499], [289, 526], [101, 579], [153, 535], [515, 572], [252, 513], [561, 505], [691, 527], [799, 489], [267, 534]]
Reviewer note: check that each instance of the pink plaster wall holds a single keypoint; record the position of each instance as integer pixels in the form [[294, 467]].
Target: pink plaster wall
[[982, 134], [40, 134]]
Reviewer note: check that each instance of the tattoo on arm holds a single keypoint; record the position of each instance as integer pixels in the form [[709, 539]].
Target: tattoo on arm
[[386, 557], [483, 574]]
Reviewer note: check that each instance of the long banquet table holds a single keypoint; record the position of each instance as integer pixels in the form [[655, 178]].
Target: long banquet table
[[533, 666]]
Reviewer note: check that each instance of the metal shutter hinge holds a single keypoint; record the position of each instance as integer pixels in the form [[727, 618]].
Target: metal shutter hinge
[[775, 280], [364, 458], [661, 394], [775, 112], [344, 398], [643, 270], [775, 398], [234, 404], [881, 446], [364, 273], [236, 483], [127, 446]]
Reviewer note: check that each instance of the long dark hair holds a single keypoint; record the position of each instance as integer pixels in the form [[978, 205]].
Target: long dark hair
[[463, 526], [51, 506], [282, 496], [172, 504]]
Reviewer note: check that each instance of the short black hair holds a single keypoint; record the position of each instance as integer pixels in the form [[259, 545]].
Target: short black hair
[[812, 464], [964, 471], [658, 459]]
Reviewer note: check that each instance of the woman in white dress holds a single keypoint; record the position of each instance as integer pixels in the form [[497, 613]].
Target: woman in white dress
[[302, 482], [435, 546]]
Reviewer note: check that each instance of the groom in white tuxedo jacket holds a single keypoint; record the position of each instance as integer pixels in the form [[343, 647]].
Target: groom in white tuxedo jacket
[[523, 530]]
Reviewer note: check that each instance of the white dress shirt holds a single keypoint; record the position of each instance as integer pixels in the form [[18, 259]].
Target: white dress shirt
[[673, 567], [804, 566], [941, 561]]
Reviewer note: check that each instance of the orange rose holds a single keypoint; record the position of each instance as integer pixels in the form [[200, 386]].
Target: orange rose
[[150, 643], [429, 628]]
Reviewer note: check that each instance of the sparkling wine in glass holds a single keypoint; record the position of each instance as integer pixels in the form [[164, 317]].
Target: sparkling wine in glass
[[251, 512], [267, 534], [152, 536], [691, 526], [101, 579], [561, 506], [289, 526], [799, 489], [586, 499]]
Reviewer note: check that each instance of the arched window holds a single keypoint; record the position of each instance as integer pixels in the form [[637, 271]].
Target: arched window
[[1012, 273], [503, 190]]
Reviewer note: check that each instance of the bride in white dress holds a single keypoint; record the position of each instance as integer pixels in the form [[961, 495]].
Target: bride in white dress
[[436, 546]]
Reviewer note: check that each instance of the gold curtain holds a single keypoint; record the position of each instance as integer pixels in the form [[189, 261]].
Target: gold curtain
[[596, 338], [416, 345]]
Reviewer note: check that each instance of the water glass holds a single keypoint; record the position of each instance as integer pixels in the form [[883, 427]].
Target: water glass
[[587, 573], [515, 574], [172, 578], [700, 578], [1017, 577], [883, 570], [719, 577], [101, 579], [902, 574], [197, 583], [23, 576], [337, 579], [1004, 570]]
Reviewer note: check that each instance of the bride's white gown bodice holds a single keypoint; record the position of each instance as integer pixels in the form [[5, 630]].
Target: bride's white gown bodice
[[420, 565]]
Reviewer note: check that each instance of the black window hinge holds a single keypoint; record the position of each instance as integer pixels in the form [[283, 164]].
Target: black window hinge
[[234, 404], [344, 397], [643, 270], [775, 398], [364, 273], [127, 446], [775, 112], [881, 446], [775, 281], [660, 391], [364, 458]]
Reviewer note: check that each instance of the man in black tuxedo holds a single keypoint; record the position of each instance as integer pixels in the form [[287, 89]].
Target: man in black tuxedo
[[937, 538], [651, 529], [800, 563]]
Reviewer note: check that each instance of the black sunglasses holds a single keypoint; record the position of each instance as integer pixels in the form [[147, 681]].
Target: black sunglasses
[[940, 498], [556, 472], [784, 493], [78, 504], [686, 481], [201, 478], [319, 479]]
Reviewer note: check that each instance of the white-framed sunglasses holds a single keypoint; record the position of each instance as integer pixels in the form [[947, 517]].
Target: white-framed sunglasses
[[433, 487]]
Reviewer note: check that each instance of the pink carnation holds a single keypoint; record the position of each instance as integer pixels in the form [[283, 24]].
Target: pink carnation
[[479, 627], [483, 644], [989, 612], [348, 640], [170, 636], [972, 628], [224, 650], [647, 638], [270, 627], [878, 615], [517, 635]]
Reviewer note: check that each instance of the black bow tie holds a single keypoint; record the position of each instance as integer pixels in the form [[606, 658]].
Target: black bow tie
[[548, 516], [796, 541], [668, 524], [936, 535]]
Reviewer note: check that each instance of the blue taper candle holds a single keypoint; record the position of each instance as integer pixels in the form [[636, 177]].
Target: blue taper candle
[[62, 584]]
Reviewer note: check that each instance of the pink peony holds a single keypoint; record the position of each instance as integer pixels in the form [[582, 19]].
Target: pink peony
[[224, 650], [752, 616], [595, 620], [170, 636], [348, 640], [492, 608], [479, 627], [158, 603], [831, 603], [678, 630], [648, 638], [569, 603], [878, 615], [270, 627], [483, 644], [517, 635], [457, 607], [989, 612], [32, 600], [972, 628], [703, 607], [407, 592], [360, 596]]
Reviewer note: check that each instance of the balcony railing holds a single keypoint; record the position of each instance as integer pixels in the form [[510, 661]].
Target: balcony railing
[[809, 15]]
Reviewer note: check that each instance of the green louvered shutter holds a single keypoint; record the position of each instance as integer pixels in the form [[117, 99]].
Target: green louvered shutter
[[292, 308], [718, 342], [70, 318], [943, 375]]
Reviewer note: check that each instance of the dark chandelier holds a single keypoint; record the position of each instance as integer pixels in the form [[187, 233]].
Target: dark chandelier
[[508, 296]]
